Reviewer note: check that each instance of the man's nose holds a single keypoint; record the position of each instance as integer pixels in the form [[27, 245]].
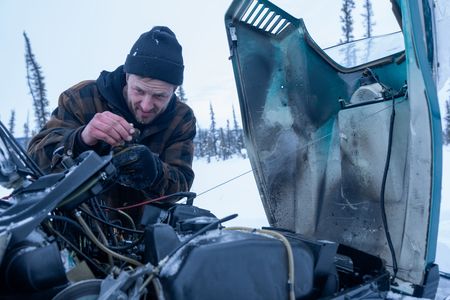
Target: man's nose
[[147, 103]]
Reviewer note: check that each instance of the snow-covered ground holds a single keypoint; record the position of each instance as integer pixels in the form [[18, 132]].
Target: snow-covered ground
[[228, 187], [443, 249]]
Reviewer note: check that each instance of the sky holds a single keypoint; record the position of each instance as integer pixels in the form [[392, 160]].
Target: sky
[[75, 40]]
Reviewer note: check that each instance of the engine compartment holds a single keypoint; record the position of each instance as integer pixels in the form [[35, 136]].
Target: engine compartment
[[185, 252]]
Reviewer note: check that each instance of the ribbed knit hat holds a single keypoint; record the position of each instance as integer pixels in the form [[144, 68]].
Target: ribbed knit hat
[[157, 54]]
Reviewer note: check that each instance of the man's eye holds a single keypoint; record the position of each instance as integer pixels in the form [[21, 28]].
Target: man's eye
[[160, 97]]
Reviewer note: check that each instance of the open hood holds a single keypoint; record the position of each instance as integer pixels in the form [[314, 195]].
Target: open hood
[[345, 143]]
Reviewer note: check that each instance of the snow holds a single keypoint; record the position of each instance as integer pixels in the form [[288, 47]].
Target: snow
[[443, 246], [239, 195]]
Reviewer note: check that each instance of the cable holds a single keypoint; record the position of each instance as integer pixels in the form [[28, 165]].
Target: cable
[[383, 190], [225, 182], [100, 245], [179, 194], [111, 224], [290, 256], [97, 209], [127, 216], [66, 220], [94, 203], [102, 236]]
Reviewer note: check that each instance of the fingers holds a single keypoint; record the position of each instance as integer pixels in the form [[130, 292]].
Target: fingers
[[108, 127]]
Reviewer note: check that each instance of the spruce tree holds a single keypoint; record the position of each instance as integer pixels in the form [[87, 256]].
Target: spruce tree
[[35, 81], [229, 139], [224, 153], [347, 20], [238, 137], [12, 122], [181, 94], [212, 135], [367, 15], [26, 130], [446, 132]]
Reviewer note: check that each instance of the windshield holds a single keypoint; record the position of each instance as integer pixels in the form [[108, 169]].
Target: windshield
[[384, 38], [363, 51]]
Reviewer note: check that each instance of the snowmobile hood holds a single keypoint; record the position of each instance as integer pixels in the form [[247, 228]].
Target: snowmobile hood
[[345, 143]]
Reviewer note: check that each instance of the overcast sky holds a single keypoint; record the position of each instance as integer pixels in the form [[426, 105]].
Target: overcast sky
[[76, 40]]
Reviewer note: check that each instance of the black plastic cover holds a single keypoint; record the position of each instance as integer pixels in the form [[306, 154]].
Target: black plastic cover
[[237, 265]]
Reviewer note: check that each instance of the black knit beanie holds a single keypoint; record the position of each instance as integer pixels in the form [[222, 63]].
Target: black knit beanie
[[157, 54]]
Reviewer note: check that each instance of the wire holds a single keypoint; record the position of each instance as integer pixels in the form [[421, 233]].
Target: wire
[[179, 194], [383, 190], [225, 182], [111, 224], [94, 203], [100, 245], [102, 236], [127, 216], [66, 220], [116, 248], [97, 209]]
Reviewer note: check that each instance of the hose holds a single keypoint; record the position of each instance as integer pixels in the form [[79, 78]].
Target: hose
[[102, 236], [111, 224], [158, 288], [289, 253], [91, 235], [128, 217]]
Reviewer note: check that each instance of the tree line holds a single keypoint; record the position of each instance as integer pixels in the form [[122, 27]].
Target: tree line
[[213, 142], [220, 143]]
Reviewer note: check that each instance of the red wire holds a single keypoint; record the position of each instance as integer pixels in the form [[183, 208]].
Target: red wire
[[144, 203]]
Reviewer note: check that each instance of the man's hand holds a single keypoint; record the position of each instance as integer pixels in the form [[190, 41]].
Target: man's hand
[[138, 167], [107, 127]]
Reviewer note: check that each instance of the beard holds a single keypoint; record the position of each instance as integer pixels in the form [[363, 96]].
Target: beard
[[145, 118]]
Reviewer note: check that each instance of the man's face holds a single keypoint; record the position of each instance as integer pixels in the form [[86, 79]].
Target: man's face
[[147, 98]]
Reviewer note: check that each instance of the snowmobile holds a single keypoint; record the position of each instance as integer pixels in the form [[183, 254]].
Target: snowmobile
[[347, 162]]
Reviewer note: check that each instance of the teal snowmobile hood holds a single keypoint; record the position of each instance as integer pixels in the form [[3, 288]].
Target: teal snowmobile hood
[[345, 143]]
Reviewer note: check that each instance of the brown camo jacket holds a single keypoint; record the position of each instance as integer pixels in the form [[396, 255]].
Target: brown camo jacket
[[171, 138]]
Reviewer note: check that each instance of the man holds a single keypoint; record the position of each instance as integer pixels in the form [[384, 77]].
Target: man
[[132, 106]]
